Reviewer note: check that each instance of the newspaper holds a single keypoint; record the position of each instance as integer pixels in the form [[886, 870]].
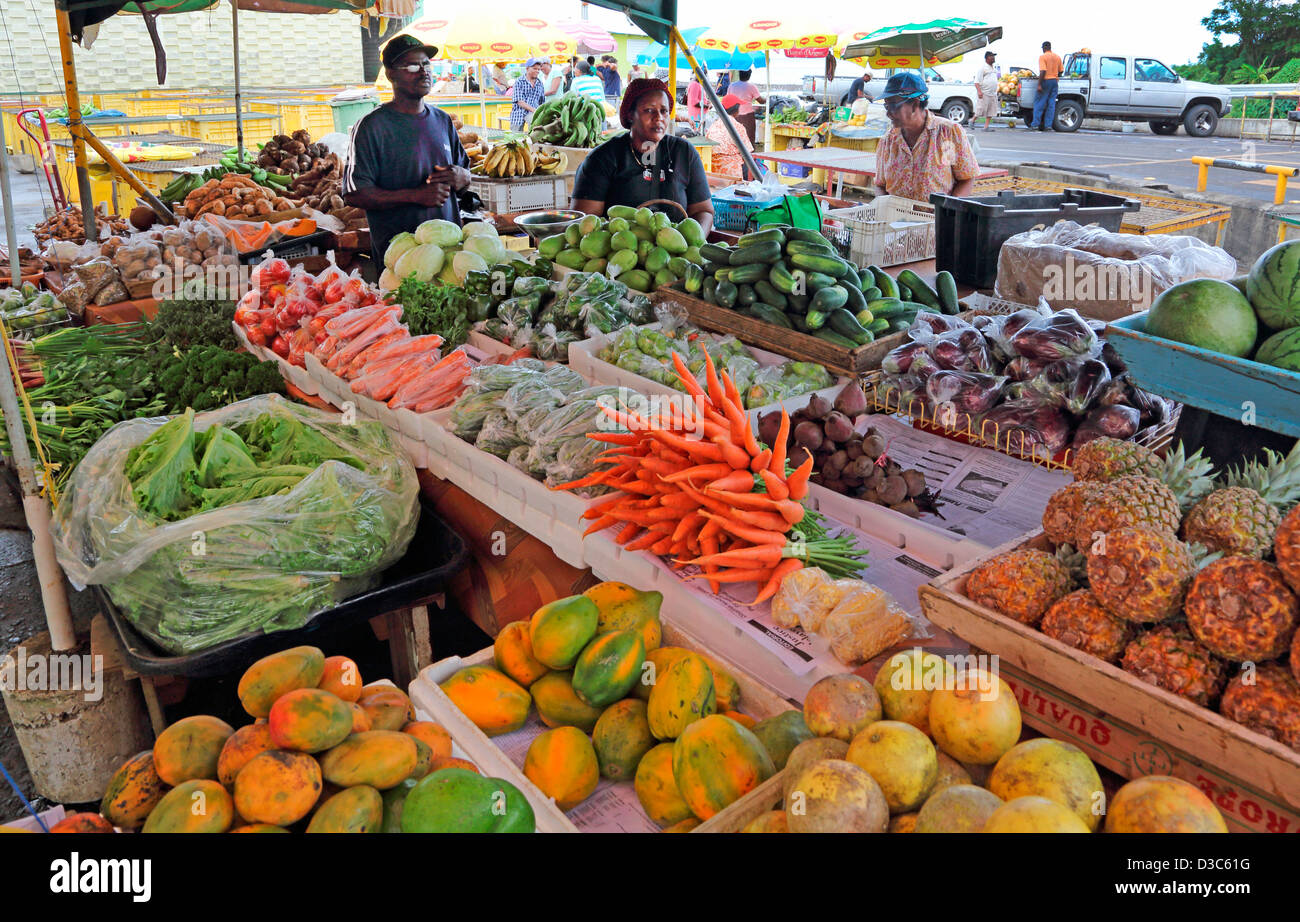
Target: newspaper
[[986, 496]]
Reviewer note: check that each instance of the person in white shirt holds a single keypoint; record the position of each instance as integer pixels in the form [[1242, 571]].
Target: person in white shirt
[[986, 91]]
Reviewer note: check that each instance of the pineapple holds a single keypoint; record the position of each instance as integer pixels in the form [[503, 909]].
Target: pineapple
[[1105, 459], [1062, 512], [1131, 500], [1295, 656], [1286, 548], [1241, 609], [1141, 574], [1079, 621], [1172, 659], [1269, 705], [1022, 584], [1243, 516]]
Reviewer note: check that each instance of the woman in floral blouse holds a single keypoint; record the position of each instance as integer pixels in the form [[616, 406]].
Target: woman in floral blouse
[[726, 159], [922, 153]]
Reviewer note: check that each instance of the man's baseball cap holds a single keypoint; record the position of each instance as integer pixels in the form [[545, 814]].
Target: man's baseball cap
[[400, 45], [990, 54], [906, 85], [534, 62]]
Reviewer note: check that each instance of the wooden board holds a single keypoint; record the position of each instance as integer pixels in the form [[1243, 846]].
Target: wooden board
[[1206, 737]]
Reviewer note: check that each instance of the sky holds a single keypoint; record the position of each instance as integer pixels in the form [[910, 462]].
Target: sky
[[1170, 32]]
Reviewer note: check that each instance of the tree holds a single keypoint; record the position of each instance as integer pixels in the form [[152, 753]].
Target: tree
[[1265, 30]]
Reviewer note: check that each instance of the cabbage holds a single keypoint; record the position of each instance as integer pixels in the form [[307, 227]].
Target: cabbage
[[490, 248], [388, 281], [443, 233], [465, 263], [479, 229], [423, 261], [448, 274], [399, 245]]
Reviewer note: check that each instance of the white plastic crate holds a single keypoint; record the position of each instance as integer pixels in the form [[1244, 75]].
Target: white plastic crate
[[886, 231], [527, 193]]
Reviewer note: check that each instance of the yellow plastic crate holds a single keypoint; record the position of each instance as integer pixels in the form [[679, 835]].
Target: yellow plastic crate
[[316, 117], [221, 129]]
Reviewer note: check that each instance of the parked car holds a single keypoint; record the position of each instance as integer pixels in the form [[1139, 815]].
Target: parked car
[[950, 98], [1130, 88]]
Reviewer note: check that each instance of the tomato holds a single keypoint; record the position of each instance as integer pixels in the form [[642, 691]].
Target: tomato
[[268, 329], [256, 336], [280, 346]]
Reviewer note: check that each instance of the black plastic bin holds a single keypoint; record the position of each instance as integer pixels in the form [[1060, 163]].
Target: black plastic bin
[[969, 232], [313, 244], [435, 553]]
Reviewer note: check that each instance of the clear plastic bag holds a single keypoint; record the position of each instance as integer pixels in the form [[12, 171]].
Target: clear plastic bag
[[112, 293], [261, 564], [552, 345], [1117, 421], [95, 274], [529, 395], [965, 391], [471, 411], [1028, 425], [865, 623], [1058, 336], [137, 259], [962, 350], [805, 598], [499, 436]]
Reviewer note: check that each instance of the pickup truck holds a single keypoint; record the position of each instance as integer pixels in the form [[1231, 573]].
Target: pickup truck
[[951, 99], [1133, 89]]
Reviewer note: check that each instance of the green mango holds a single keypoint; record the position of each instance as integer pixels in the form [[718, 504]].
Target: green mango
[[691, 230], [551, 246], [571, 258], [643, 233], [590, 224], [623, 260], [595, 265], [596, 244], [672, 241], [637, 280], [664, 278], [624, 240], [617, 224], [646, 218], [572, 235], [459, 800], [657, 260]]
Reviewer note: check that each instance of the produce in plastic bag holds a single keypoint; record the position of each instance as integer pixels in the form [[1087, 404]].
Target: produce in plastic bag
[[95, 274], [805, 598], [1002, 329], [551, 345], [864, 623], [1058, 336], [112, 293], [965, 391], [296, 511], [1027, 426], [928, 323], [137, 259], [519, 312], [1116, 422], [781, 382], [962, 350], [638, 308], [529, 395], [597, 316], [499, 435], [502, 377], [470, 412], [1023, 369], [899, 359]]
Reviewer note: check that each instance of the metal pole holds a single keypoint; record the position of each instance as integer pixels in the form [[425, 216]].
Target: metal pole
[[713, 98], [239, 113], [35, 507], [768, 140], [482, 93], [672, 75], [75, 126]]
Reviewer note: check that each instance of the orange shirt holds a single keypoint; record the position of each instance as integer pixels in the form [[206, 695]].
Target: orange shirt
[[1049, 62]]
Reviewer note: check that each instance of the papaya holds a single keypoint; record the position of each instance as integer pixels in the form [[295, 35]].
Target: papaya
[[341, 678], [609, 667], [513, 653], [560, 629], [716, 761], [455, 800], [387, 707], [726, 689], [259, 827], [621, 737], [493, 701], [452, 762], [278, 787], [132, 792], [656, 664], [433, 735], [360, 718], [423, 759], [82, 822], [558, 705], [394, 803], [683, 694], [657, 789], [309, 720], [621, 607], [378, 758], [771, 821], [744, 720], [563, 765], [274, 675], [240, 747], [685, 825], [190, 748], [197, 805], [354, 809], [781, 733]]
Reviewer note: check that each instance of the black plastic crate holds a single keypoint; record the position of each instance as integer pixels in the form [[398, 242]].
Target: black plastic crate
[[969, 232], [313, 244]]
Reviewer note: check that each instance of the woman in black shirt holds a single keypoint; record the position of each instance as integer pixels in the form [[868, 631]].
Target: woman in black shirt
[[645, 164]]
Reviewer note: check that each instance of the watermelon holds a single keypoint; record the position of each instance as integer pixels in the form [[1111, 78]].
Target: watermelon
[[1274, 286], [1206, 313], [1281, 349]]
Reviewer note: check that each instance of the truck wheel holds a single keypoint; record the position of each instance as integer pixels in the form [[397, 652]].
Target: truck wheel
[[1069, 115], [957, 110], [1028, 116], [1163, 127], [1200, 121]]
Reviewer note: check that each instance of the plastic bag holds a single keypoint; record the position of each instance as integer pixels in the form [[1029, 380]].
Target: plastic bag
[[1115, 422], [519, 312], [266, 564], [638, 308], [601, 316], [865, 623], [928, 324], [781, 382], [965, 391], [551, 345], [498, 436], [1058, 336], [137, 259], [112, 293], [529, 395], [75, 297], [805, 598], [1027, 426], [470, 412], [962, 350], [502, 377], [898, 361], [95, 274]]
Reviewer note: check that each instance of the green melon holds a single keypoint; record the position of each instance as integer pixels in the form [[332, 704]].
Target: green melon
[[1281, 349], [1274, 286], [1206, 313]]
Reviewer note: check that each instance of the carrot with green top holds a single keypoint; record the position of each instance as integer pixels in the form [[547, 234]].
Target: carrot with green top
[[701, 473], [776, 487], [734, 482], [798, 481], [732, 453], [761, 555], [779, 573], [703, 452], [616, 438], [735, 576], [777, 464], [748, 532], [711, 382], [761, 460]]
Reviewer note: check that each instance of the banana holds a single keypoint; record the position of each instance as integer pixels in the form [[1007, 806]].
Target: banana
[[493, 158], [530, 165]]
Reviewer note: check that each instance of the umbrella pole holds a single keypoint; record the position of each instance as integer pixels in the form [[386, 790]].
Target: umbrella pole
[[727, 123], [239, 114], [769, 140], [75, 126], [672, 75]]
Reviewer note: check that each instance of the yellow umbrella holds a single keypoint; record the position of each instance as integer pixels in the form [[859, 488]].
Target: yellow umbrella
[[492, 32], [775, 31]]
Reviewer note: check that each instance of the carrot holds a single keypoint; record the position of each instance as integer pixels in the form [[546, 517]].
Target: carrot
[[787, 509], [701, 472], [716, 393], [768, 521], [735, 416], [732, 453], [762, 555], [709, 545], [600, 525], [736, 576], [626, 534], [679, 547], [761, 460], [748, 532], [645, 542], [663, 514], [628, 421], [798, 481], [590, 480], [701, 451], [782, 570], [662, 546], [673, 457], [616, 438], [658, 466], [689, 384], [707, 502], [777, 465], [734, 482], [709, 531], [690, 522], [681, 501], [776, 487], [604, 505]]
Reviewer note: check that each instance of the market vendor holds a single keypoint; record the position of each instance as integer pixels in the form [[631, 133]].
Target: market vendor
[[405, 163], [646, 164], [922, 153]]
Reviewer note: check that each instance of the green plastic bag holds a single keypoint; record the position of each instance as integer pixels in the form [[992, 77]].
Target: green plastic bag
[[796, 210]]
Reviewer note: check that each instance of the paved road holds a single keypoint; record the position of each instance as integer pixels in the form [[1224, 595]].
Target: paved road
[[1145, 157]]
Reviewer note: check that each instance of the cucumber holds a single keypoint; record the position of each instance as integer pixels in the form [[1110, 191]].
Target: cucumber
[[799, 302], [851, 278], [768, 252], [829, 299], [768, 294], [727, 294], [722, 275], [871, 293], [885, 307], [709, 290], [877, 327], [885, 282], [836, 339], [748, 274], [808, 236], [799, 322], [920, 291], [842, 322], [745, 295], [830, 265], [904, 293], [779, 275], [856, 302], [718, 254], [766, 235], [817, 281], [770, 314], [946, 287], [809, 249], [815, 320], [911, 307]]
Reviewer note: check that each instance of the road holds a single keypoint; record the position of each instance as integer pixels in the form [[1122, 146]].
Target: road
[[1144, 157]]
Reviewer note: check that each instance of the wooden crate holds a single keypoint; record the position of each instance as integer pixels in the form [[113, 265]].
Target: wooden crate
[[1198, 736]]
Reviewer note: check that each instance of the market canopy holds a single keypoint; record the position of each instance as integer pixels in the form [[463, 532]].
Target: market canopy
[[510, 33], [936, 41], [776, 30]]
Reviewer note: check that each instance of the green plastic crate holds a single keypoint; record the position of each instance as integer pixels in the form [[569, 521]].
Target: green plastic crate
[[348, 111]]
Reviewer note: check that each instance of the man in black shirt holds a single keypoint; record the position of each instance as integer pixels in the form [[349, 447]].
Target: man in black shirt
[[405, 164]]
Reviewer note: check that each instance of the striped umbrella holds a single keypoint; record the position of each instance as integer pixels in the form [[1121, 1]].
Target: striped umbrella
[[591, 38], [906, 46]]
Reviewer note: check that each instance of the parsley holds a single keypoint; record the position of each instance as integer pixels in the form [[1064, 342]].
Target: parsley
[[431, 307]]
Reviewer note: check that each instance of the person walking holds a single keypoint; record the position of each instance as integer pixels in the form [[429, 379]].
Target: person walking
[[696, 101], [986, 91], [1049, 78], [528, 94]]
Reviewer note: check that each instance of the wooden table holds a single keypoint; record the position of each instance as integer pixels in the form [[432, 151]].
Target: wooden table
[[839, 160]]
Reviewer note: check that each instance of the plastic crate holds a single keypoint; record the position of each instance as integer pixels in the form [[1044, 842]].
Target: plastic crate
[[969, 232], [292, 247], [888, 231], [529, 193], [731, 211]]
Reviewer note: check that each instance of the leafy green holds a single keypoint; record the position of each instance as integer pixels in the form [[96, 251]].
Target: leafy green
[[183, 323], [431, 307], [224, 456], [162, 469], [206, 377]]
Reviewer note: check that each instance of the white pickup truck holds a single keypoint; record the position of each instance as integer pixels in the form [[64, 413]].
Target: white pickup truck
[[950, 98], [1130, 88]]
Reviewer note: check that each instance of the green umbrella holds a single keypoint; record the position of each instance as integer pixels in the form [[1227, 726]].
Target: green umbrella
[[936, 42]]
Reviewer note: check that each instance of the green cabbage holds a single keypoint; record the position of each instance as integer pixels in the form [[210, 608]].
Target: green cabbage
[[443, 233], [398, 246]]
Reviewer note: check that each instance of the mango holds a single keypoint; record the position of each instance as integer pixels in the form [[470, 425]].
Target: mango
[[621, 212], [196, 806], [394, 804], [661, 221], [456, 800], [643, 235], [559, 630], [240, 748], [596, 266], [387, 706], [341, 678], [433, 735], [309, 720], [190, 749], [637, 280], [357, 809], [596, 244], [379, 758], [133, 792], [277, 787], [665, 279], [622, 260]]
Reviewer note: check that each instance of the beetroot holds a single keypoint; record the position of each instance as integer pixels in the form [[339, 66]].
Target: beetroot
[[818, 407], [838, 428], [851, 400], [808, 434]]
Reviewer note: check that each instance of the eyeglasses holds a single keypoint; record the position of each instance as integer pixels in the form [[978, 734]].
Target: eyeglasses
[[415, 68], [892, 107]]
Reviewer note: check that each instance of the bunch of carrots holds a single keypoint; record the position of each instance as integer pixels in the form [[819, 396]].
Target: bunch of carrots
[[705, 492]]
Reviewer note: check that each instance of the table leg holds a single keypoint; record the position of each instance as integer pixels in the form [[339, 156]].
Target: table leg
[[150, 693], [402, 646]]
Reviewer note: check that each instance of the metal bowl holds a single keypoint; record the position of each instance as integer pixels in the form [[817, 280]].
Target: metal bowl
[[541, 224]]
